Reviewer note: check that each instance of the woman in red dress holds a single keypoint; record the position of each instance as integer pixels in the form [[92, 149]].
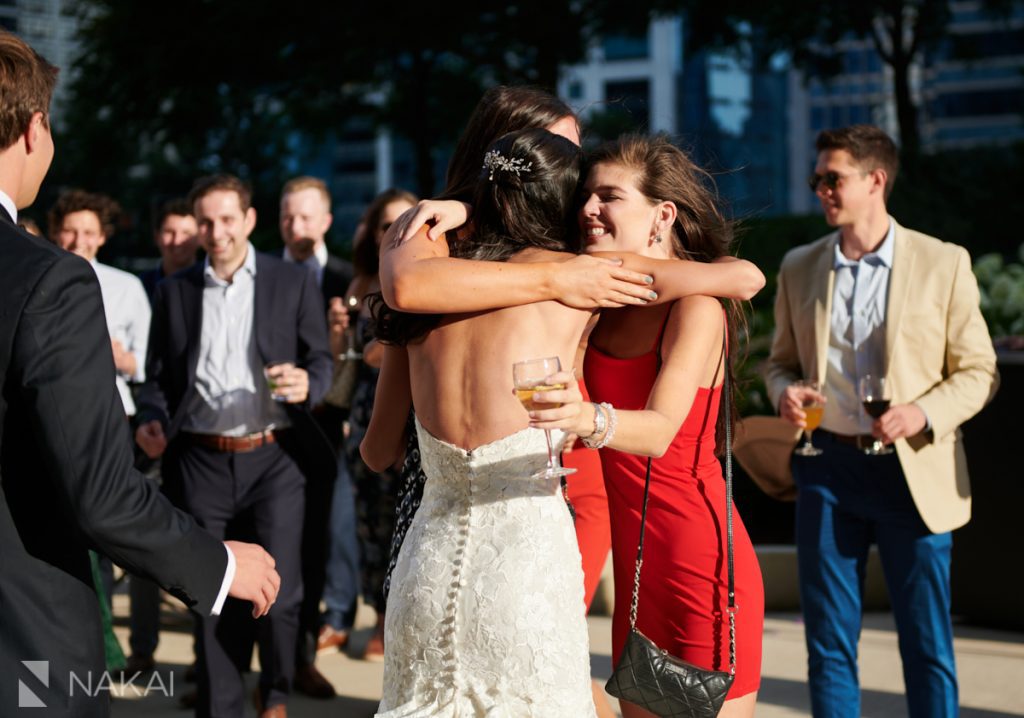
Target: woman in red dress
[[658, 373]]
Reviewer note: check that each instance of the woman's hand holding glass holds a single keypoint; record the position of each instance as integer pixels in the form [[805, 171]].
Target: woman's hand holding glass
[[531, 378], [562, 408]]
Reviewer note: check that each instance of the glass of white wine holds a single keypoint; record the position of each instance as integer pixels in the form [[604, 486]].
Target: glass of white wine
[[813, 409], [529, 377]]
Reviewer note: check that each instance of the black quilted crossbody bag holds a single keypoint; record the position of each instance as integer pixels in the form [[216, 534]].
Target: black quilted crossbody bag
[[649, 676]]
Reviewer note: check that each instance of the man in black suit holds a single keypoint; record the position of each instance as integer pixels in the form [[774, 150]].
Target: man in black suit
[[304, 221], [66, 477], [238, 447]]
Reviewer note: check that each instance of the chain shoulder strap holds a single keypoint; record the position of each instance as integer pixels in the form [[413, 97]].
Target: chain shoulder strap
[[732, 607]]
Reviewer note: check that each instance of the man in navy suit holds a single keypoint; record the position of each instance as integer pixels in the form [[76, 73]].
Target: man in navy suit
[[66, 477], [304, 221], [237, 356]]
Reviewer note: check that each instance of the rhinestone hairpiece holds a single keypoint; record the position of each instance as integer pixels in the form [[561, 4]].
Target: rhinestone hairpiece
[[495, 161]]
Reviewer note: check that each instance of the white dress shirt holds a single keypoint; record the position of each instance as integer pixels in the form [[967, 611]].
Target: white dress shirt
[[7, 203], [232, 397], [127, 312]]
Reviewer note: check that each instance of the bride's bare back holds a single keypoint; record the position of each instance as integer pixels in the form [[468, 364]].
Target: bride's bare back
[[461, 374]]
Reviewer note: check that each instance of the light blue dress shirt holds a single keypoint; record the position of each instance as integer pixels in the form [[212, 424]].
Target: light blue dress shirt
[[856, 344]]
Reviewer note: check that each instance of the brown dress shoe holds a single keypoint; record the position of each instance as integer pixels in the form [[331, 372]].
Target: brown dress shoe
[[374, 650], [311, 682], [330, 638]]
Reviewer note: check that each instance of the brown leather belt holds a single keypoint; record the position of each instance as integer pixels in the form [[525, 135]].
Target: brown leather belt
[[860, 441], [232, 444]]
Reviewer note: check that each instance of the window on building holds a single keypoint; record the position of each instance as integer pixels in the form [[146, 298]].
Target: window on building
[[626, 47], [9, 23], [837, 116], [987, 102], [575, 90], [817, 118], [986, 44]]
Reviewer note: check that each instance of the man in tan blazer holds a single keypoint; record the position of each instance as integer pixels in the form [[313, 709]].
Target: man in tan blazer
[[873, 298]]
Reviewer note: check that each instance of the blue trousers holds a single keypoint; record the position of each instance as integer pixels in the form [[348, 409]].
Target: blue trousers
[[341, 588], [847, 501]]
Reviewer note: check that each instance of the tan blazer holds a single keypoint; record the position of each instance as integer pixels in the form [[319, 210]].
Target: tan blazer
[[938, 349]]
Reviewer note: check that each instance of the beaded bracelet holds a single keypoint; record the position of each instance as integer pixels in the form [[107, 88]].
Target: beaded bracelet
[[613, 421]]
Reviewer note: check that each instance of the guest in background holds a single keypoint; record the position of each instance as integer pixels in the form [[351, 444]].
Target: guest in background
[[65, 460], [82, 222], [238, 357], [874, 298], [305, 219], [176, 238], [376, 493]]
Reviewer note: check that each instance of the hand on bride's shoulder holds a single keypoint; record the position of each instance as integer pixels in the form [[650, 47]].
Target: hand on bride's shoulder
[[439, 214], [585, 282]]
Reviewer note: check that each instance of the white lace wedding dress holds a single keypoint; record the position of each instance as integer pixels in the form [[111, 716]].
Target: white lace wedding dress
[[485, 615]]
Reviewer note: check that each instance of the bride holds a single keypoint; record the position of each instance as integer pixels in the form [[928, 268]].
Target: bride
[[485, 615]]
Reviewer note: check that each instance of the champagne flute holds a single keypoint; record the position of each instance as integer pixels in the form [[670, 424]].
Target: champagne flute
[[813, 409], [529, 377], [871, 388], [352, 305]]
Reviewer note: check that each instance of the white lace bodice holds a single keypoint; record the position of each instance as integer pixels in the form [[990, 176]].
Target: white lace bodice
[[485, 615]]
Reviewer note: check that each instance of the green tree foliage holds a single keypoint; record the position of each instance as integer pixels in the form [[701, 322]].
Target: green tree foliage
[[165, 91]]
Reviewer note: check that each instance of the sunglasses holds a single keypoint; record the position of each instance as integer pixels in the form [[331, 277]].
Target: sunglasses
[[830, 179]]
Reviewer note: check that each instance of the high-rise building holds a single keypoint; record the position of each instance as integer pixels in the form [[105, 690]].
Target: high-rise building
[[49, 27], [969, 88]]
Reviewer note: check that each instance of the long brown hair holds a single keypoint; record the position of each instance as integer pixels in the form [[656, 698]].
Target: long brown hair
[[501, 110], [701, 232], [366, 255], [524, 199]]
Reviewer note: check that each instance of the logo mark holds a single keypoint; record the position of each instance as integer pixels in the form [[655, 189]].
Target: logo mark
[[26, 697]]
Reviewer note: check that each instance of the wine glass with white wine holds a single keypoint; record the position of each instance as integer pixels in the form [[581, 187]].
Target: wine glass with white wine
[[529, 377], [813, 409]]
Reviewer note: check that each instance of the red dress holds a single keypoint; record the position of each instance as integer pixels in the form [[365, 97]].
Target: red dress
[[586, 492], [684, 581]]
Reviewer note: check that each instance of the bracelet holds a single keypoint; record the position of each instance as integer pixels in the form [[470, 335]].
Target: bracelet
[[613, 420], [600, 421], [600, 427], [610, 419]]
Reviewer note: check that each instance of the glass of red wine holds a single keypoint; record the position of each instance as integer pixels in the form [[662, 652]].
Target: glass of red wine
[[871, 388]]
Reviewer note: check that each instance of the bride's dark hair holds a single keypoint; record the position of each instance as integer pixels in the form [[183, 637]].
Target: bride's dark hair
[[523, 199]]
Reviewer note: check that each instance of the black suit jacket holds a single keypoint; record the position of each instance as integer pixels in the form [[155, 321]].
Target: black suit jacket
[[67, 483], [337, 276], [288, 325]]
